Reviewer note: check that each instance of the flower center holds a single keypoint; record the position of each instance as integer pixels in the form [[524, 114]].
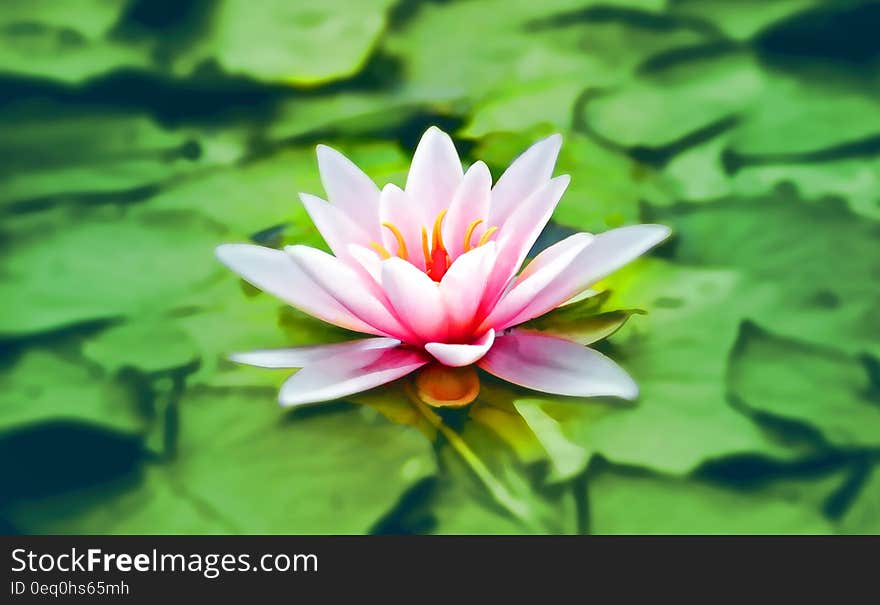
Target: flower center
[[442, 386], [437, 258]]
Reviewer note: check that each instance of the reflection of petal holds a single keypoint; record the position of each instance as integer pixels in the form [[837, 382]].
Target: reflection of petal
[[349, 373], [461, 355], [276, 273], [553, 365]]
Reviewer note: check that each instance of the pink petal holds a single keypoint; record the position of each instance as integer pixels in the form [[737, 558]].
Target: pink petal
[[360, 296], [400, 210], [535, 277], [470, 203], [553, 365], [367, 260], [518, 235], [461, 355], [434, 174], [416, 298], [299, 357], [349, 189], [606, 253], [462, 287], [529, 172], [349, 373], [275, 272], [334, 225]]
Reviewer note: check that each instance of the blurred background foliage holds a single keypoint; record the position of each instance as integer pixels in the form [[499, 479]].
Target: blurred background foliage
[[135, 135]]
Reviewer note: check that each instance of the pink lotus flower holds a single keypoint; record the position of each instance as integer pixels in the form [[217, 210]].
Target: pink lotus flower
[[432, 271]]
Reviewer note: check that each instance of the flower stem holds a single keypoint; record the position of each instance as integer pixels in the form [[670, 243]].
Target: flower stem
[[519, 509]]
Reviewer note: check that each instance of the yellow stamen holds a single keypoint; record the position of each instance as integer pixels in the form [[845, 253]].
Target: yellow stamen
[[470, 232], [487, 235], [380, 250], [437, 233], [401, 245], [425, 250]]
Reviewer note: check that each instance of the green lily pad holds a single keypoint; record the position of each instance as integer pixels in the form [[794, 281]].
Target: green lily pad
[[740, 19], [115, 152], [863, 517], [677, 354], [622, 503], [813, 284], [66, 41], [243, 466], [822, 388], [107, 266], [673, 103], [43, 386], [151, 345], [287, 42], [525, 42], [792, 118]]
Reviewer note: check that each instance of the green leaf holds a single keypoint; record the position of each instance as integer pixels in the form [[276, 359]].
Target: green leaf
[[43, 386], [863, 516], [465, 506], [822, 388], [672, 103], [153, 344], [626, 503], [533, 45], [290, 42], [794, 118], [580, 322], [66, 41], [244, 466], [814, 284], [109, 265], [677, 354], [65, 151], [740, 19]]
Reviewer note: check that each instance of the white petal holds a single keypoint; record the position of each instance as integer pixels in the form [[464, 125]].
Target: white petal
[[416, 298], [435, 173], [525, 175], [349, 373], [470, 203], [606, 253], [299, 357], [461, 355], [463, 284], [553, 365], [359, 295], [334, 225], [274, 272], [519, 233], [349, 189], [368, 260], [401, 211], [535, 277]]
